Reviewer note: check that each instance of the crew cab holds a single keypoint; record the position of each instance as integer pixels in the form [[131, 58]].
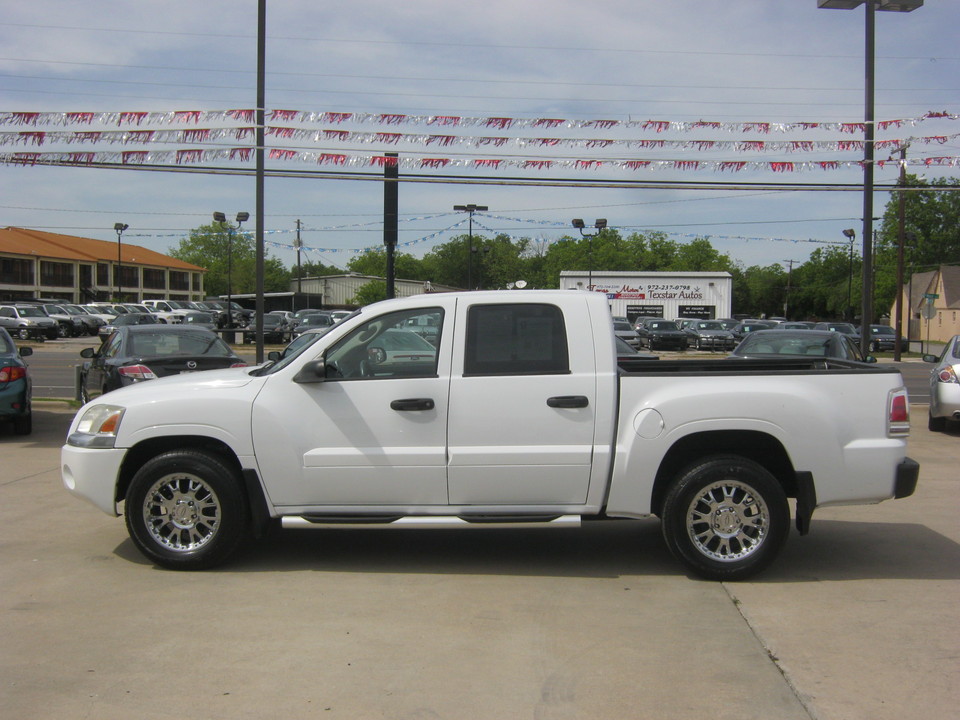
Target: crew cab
[[518, 413]]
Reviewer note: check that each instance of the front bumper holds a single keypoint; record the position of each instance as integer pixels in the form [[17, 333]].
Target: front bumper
[[91, 474]]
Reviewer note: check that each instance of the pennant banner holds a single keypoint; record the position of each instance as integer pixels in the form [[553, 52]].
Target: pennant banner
[[191, 156], [39, 138], [182, 117]]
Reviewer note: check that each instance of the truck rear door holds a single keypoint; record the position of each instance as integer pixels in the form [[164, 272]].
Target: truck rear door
[[523, 398]]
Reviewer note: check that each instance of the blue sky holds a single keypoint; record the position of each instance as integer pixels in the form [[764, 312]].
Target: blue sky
[[725, 62]]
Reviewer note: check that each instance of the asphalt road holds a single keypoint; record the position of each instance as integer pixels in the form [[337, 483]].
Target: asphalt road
[[858, 620]]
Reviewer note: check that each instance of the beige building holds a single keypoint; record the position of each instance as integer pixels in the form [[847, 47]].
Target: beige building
[[339, 290], [931, 305], [37, 264]]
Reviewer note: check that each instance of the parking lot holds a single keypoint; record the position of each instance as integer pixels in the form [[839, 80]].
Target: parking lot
[[857, 620]]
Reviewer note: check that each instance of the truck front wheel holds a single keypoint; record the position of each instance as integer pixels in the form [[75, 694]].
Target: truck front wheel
[[725, 517], [186, 510]]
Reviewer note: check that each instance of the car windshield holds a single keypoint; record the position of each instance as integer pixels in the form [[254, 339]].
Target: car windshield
[[403, 340], [709, 326], [31, 312], [664, 325], [73, 310], [882, 330], [316, 321], [622, 326], [272, 319], [154, 344], [198, 317]]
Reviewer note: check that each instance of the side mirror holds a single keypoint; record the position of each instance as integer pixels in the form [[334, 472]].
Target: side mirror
[[87, 353], [931, 358], [25, 351], [273, 355], [314, 371], [869, 359]]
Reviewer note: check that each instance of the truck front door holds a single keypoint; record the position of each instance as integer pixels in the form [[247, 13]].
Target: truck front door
[[373, 433]]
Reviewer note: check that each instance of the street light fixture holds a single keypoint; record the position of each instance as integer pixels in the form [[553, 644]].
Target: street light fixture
[[868, 141], [599, 224], [219, 217], [471, 209], [119, 227]]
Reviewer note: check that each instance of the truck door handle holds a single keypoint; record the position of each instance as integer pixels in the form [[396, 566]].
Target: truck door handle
[[408, 404], [568, 401]]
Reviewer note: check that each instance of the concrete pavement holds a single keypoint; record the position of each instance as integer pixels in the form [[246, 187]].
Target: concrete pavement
[[857, 620]]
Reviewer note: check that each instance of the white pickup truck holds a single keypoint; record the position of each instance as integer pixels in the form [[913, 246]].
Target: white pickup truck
[[516, 413]]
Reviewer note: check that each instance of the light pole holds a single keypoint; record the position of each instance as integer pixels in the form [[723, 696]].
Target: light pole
[[599, 224], [219, 217], [851, 235], [868, 142], [119, 227], [471, 209]]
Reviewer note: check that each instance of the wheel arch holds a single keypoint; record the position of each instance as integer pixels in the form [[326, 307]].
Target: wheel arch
[[249, 479], [760, 447]]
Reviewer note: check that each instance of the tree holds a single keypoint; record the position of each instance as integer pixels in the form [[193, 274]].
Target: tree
[[230, 261], [932, 227], [370, 292]]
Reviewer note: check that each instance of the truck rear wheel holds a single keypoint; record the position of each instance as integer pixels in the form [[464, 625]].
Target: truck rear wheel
[[725, 517], [186, 510]]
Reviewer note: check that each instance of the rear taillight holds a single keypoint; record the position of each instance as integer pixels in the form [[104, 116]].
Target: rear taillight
[[947, 375], [239, 365], [11, 373], [898, 413], [137, 372]]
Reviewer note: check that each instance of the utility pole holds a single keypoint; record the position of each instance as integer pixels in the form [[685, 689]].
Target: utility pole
[[298, 244], [786, 296], [901, 236]]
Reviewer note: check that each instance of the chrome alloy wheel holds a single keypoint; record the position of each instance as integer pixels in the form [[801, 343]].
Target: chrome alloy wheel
[[181, 512], [728, 521]]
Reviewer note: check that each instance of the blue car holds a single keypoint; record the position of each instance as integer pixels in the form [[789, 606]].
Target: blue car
[[15, 385]]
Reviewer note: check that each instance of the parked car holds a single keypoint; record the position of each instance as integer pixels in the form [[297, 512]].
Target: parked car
[[201, 319], [627, 352], [134, 353], [275, 329], [884, 337], [129, 319], [709, 334], [841, 327], [623, 330], [817, 343], [27, 322], [15, 385], [69, 325], [661, 334], [794, 325], [745, 327], [314, 320], [91, 322], [945, 385]]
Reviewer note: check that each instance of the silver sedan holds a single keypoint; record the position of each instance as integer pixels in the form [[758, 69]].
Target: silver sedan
[[945, 385]]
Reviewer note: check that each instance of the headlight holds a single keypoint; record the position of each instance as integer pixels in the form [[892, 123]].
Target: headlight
[[97, 427]]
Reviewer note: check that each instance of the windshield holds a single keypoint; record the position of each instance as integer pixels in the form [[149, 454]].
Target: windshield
[[293, 350], [667, 325], [164, 344], [622, 327], [709, 326], [31, 312]]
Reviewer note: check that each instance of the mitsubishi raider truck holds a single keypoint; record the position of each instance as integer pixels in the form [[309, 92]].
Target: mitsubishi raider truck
[[516, 412]]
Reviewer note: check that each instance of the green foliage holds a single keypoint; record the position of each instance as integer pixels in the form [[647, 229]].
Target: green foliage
[[370, 292], [211, 247]]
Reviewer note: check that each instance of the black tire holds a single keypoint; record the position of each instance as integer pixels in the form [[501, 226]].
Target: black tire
[[725, 517], [23, 334], [186, 510], [936, 424], [23, 425], [62, 330]]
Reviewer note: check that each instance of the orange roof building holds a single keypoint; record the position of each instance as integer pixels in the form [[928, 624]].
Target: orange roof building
[[36, 264]]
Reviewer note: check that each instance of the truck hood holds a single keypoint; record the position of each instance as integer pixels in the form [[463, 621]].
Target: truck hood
[[188, 385]]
